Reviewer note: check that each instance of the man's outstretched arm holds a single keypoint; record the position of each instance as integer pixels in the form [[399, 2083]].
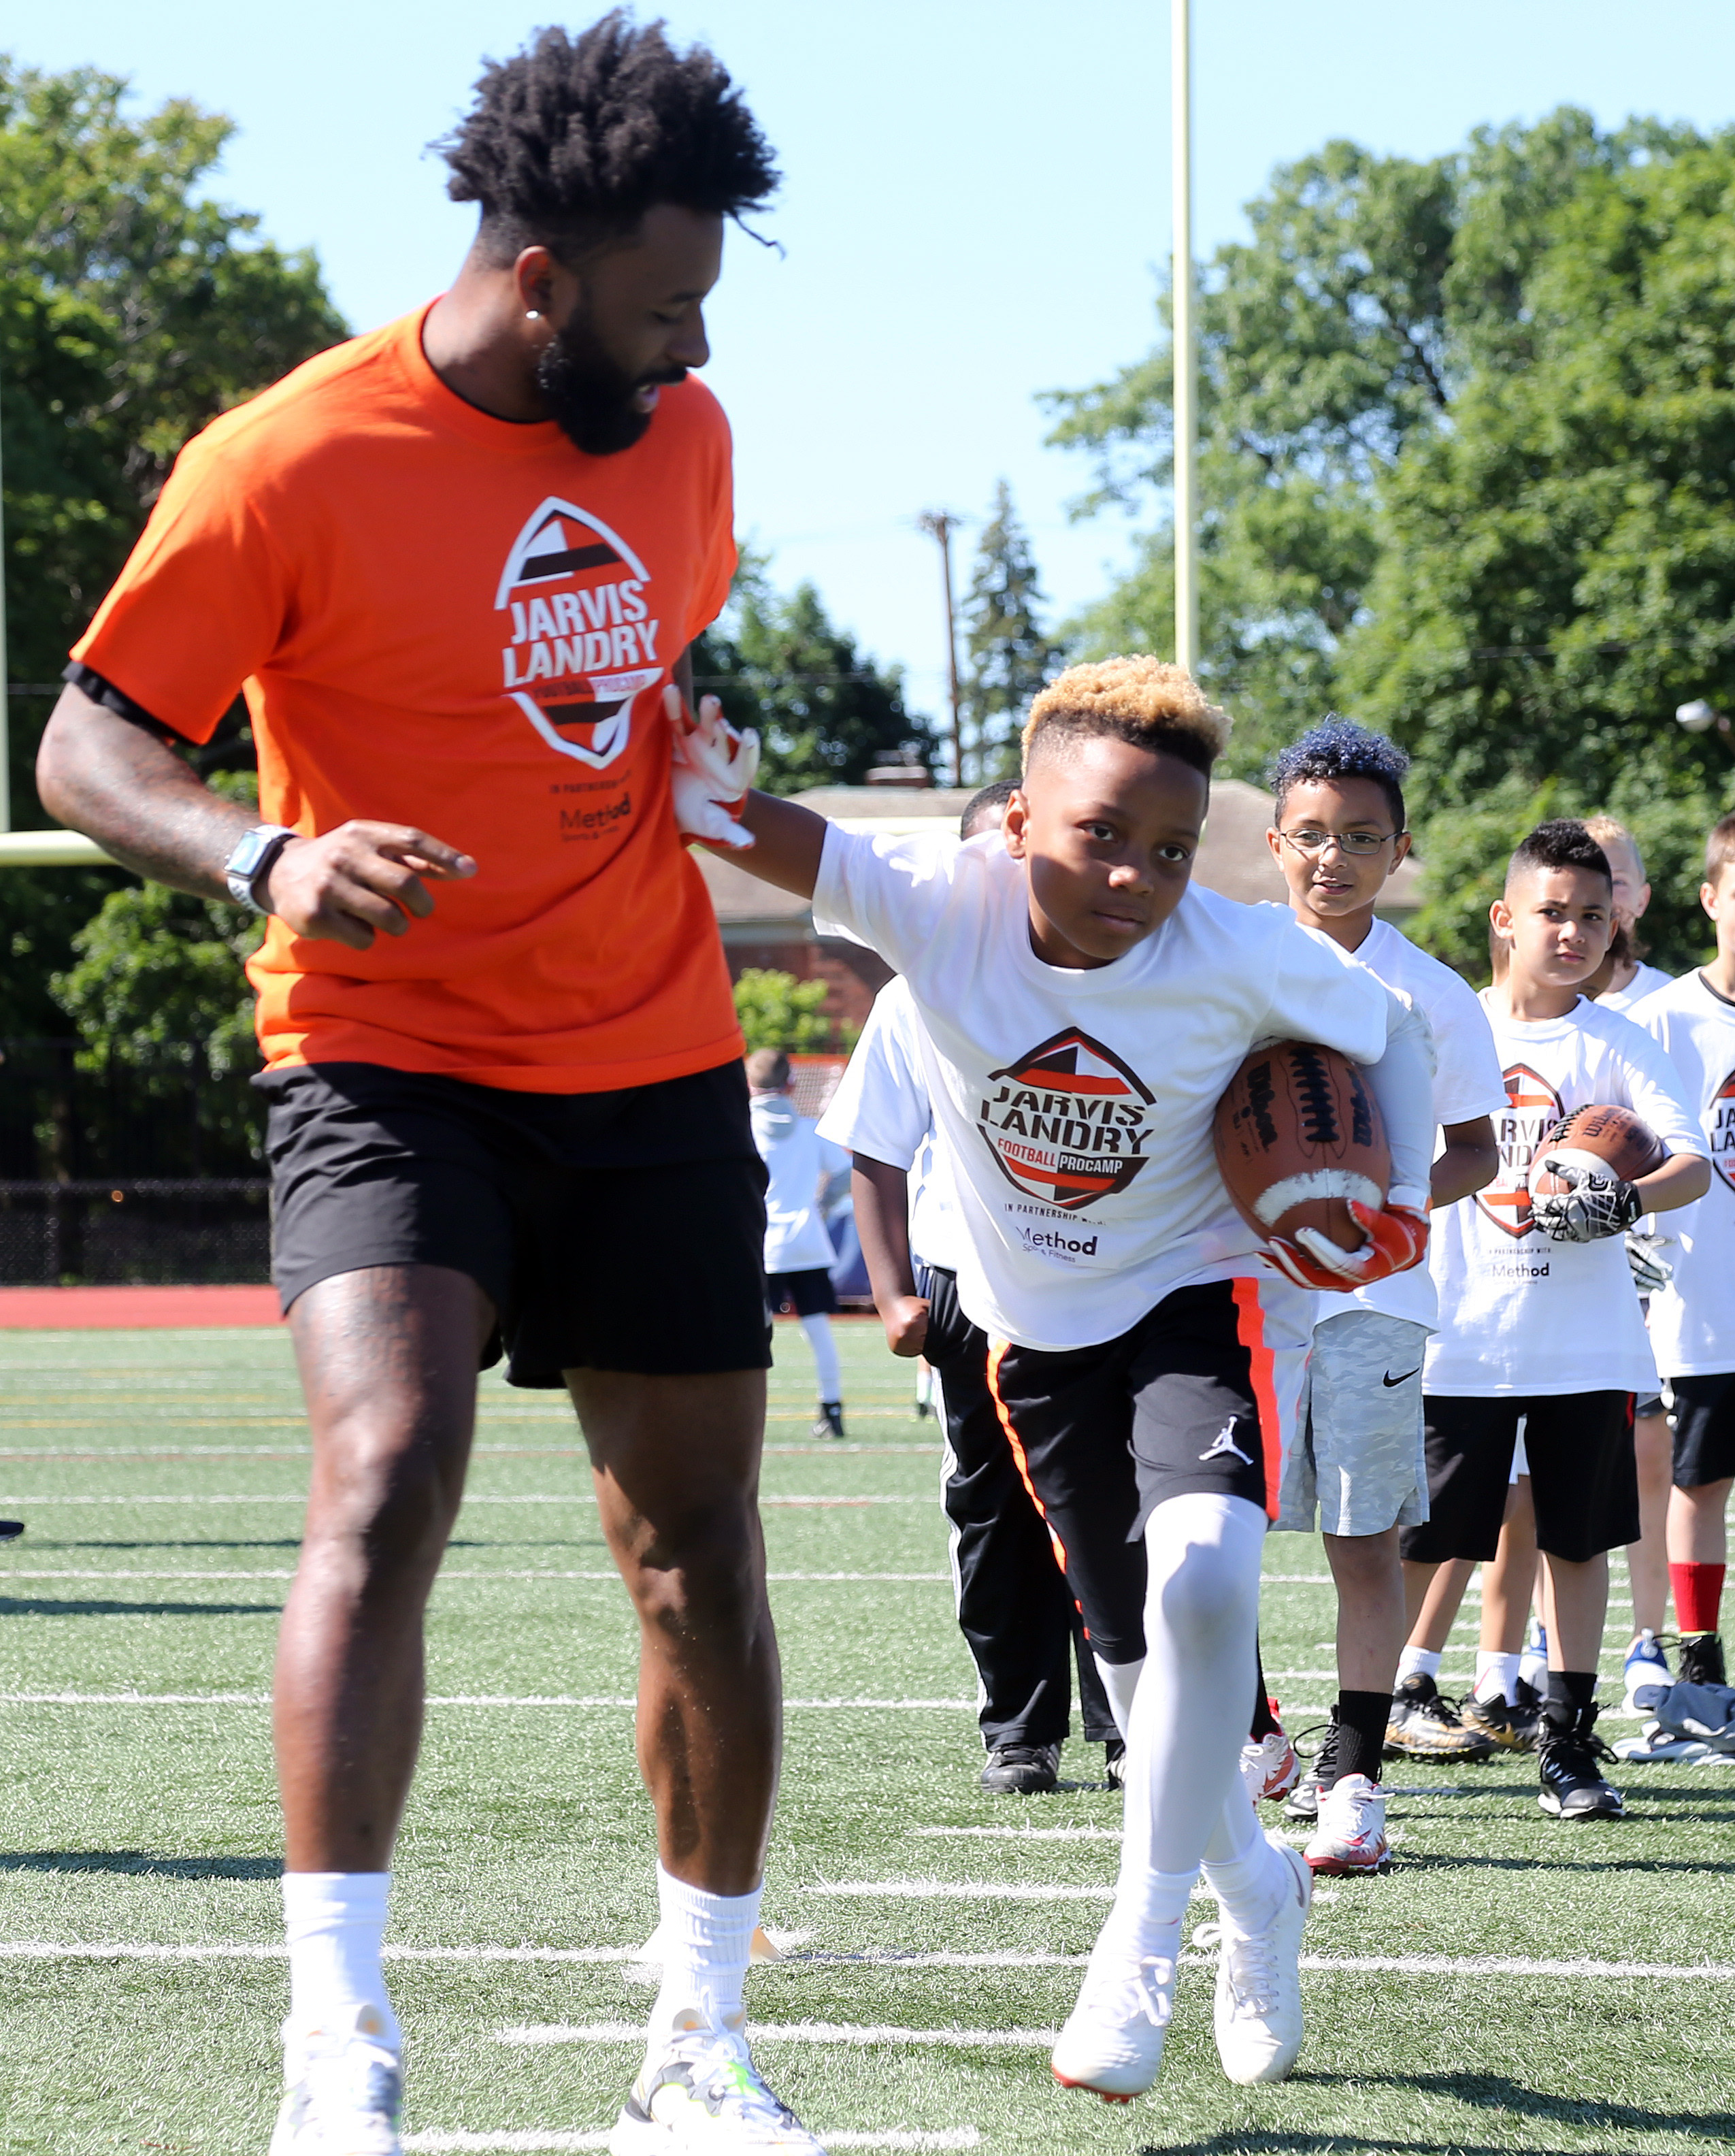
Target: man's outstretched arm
[[125, 786], [788, 842]]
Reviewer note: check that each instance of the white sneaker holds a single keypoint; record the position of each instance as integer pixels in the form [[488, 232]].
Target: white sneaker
[[1258, 2020], [699, 2091], [1350, 1835], [1112, 2042], [343, 2093], [1269, 1768]]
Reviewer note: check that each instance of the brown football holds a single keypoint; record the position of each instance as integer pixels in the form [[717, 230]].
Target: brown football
[[1610, 1140], [1299, 1134]]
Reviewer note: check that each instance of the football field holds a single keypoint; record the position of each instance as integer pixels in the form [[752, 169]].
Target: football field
[[1513, 1984]]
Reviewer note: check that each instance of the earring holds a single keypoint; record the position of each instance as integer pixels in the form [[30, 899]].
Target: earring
[[532, 315]]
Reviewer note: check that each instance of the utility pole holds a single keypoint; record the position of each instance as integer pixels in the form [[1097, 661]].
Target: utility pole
[[941, 523], [1185, 342]]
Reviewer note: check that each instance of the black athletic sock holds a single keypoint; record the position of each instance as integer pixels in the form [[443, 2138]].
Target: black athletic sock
[[1361, 1718], [1264, 1721], [1570, 1691]]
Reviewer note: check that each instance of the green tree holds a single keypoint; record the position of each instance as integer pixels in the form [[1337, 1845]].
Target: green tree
[[1006, 657], [776, 1010], [825, 713], [132, 311]]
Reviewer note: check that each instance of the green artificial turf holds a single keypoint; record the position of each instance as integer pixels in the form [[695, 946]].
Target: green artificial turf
[[147, 1824]]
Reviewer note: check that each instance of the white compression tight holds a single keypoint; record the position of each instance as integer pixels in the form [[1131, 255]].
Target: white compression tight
[[829, 1376], [1186, 1719]]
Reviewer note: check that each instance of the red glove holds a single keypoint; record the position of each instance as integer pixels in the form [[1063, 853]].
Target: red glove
[[1397, 1239]]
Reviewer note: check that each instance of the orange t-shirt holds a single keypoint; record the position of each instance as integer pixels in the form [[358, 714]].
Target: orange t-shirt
[[443, 619]]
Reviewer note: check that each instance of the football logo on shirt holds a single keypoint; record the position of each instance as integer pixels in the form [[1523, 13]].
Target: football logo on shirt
[[1068, 1122], [1534, 1108], [584, 645], [1720, 1130]]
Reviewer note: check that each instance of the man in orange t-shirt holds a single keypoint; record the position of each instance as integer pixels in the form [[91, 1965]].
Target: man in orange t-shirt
[[454, 566]]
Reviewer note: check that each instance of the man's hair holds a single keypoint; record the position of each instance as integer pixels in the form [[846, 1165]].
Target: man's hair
[[1145, 701], [572, 141], [1561, 842], [1608, 832], [985, 809], [767, 1071], [1720, 847], [1338, 748]]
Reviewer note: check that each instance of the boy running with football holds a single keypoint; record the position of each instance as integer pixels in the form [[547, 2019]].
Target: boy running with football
[[1539, 1319], [1088, 1008], [1338, 834], [1692, 1314]]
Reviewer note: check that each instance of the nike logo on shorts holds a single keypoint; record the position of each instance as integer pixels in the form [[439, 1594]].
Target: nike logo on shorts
[[1388, 1380], [1224, 1441]]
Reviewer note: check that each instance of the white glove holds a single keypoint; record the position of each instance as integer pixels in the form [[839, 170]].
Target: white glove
[[1592, 1206], [1651, 1270], [713, 768]]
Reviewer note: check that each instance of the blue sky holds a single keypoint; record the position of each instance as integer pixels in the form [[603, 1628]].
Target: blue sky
[[976, 205]]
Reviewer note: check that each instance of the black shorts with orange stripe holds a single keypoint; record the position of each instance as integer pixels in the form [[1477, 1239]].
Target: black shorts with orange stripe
[[1201, 1394]]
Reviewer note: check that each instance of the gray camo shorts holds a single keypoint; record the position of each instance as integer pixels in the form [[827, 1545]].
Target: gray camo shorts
[[1359, 1467]]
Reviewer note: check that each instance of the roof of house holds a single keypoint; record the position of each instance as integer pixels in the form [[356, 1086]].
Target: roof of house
[[1233, 857]]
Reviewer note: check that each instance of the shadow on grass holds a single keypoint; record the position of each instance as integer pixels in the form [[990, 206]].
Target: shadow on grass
[[1445, 1861], [19, 1606], [136, 1863]]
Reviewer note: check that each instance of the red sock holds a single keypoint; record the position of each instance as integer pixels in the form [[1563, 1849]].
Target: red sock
[[1698, 1591]]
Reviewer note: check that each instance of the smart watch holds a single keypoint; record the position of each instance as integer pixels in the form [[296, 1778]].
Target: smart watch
[[253, 854]]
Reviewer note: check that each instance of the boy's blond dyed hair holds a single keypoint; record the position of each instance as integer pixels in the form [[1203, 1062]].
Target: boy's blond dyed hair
[[1609, 830], [1142, 699]]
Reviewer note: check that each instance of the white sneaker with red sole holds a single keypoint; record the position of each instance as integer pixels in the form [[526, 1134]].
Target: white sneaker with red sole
[[1270, 1769], [1350, 1834]]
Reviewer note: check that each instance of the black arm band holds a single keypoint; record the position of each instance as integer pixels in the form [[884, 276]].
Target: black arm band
[[101, 690]]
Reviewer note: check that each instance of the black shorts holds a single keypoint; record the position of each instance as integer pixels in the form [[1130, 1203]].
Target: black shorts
[[611, 1231], [807, 1293], [1583, 1474], [1704, 1429], [1201, 1394]]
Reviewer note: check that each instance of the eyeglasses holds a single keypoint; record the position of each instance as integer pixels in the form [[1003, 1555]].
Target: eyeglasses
[[1358, 845]]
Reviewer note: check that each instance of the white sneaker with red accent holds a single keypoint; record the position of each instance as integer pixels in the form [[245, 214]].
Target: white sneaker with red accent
[[1269, 1768], [1112, 2042], [1350, 1834]]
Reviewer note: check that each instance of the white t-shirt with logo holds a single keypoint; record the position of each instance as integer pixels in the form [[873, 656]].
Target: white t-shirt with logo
[[881, 1108], [1693, 1320], [1467, 1083], [1073, 1107], [1645, 983], [798, 1162], [1517, 1313]]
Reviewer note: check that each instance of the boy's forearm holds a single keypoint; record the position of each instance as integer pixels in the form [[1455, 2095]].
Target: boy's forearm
[[1468, 1162], [787, 843], [881, 1195], [1681, 1179]]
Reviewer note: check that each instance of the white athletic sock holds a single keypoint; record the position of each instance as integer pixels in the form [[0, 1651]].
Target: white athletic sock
[[1418, 1661], [1120, 1681], [1184, 1743], [1242, 1870], [706, 1940], [1497, 1675], [335, 1922], [825, 1358]]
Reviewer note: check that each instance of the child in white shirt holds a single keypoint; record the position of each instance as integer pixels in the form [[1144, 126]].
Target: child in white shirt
[[799, 1255]]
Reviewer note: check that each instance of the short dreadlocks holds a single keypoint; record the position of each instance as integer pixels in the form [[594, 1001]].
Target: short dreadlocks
[[571, 141]]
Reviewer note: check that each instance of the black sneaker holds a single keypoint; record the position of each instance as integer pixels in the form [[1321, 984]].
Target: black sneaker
[[1700, 1659], [1509, 1726], [1425, 1725], [10, 1530], [830, 1420], [1321, 1771], [1572, 1788], [1114, 1762], [1022, 1770]]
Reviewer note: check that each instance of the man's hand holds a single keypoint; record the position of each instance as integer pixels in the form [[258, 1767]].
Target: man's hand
[[1397, 1239], [905, 1318], [1590, 1208], [361, 879], [714, 767]]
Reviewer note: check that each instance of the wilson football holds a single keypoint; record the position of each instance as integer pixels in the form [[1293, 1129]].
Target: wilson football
[[1603, 1141], [1299, 1134]]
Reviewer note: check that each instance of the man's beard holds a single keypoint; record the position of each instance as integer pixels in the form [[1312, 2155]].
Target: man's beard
[[590, 396]]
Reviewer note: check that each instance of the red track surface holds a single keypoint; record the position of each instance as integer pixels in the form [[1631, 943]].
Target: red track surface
[[65, 1308]]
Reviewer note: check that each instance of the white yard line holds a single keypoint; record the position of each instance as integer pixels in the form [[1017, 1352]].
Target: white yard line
[[796, 2032], [437, 2143], [1020, 1833], [953, 1890]]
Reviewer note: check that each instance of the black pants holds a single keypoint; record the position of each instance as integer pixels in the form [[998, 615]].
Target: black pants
[[1016, 1612]]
